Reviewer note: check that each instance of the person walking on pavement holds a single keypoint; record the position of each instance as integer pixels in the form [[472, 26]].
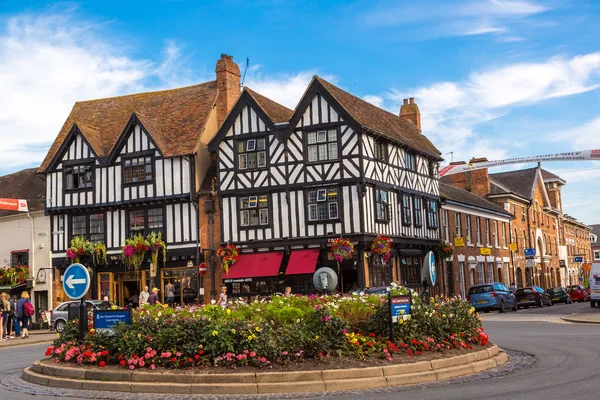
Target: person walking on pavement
[[15, 318], [11, 316], [153, 299], [170, 292], [5, 307], [23, 313], [144, 295], [2, 320], [513, 288]]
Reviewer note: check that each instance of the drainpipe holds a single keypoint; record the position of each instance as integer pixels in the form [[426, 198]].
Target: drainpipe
[[32, 260]]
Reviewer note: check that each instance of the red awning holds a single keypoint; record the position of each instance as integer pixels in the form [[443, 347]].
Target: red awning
[[255, 265], [19, 251], [302, 262]]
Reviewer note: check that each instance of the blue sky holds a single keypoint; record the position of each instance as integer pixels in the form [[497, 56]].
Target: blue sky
[[493, 78]]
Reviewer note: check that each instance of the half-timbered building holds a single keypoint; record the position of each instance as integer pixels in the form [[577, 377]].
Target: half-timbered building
[[132, 165], [337, 166]]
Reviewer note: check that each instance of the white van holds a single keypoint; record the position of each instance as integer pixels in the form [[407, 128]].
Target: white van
[[595, 285]]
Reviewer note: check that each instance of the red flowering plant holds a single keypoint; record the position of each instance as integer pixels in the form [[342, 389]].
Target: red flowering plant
[[134, 251], [342, 250], [14, 275], [80, 247], [444, 249], [382, 247], [228, 256]]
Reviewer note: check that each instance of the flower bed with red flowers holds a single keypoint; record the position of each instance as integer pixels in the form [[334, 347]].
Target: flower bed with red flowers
[[298, 332]]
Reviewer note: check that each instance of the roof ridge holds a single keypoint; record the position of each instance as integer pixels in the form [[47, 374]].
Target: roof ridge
[[516, 170], [144, 93]]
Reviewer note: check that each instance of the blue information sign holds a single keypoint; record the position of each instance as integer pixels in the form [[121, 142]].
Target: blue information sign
[[105, 319], [400, 306], [76, 281], [429, 270], [530, 252], [578, 259]]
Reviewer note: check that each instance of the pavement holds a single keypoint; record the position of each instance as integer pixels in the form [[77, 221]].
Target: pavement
[[35, 337]]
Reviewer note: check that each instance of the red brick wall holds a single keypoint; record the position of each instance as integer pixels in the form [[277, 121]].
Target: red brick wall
[[205, 244]]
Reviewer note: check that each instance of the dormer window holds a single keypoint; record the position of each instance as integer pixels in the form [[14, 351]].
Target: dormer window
[[79, 177], [322, 145], [252, 153], [137, 169]]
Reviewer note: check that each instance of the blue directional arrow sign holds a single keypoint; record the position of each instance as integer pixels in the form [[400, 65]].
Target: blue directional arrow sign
[[76, 281]]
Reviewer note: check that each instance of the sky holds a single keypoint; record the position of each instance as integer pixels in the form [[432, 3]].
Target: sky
[[492, 78]]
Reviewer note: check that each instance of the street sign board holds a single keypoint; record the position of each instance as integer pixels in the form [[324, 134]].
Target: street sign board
[[106, 319], [429, 271], [202, 269], [529, 252], [485, 251], [76, 281], [580, 279], [400, 306], [578, 259], [513, 247]]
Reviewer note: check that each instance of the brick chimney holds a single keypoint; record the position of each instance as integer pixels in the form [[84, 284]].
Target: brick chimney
[[409, 111], [228, 84], [477, 181]]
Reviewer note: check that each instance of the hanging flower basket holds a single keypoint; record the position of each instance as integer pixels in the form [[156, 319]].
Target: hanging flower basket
[[157, 246], [444, 250], [134, 251], [14, 275], [228, 256], [382, 247], [342, 249], [99, 253], [79, 247]]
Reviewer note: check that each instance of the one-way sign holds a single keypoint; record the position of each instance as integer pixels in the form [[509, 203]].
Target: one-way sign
[[76, 281]]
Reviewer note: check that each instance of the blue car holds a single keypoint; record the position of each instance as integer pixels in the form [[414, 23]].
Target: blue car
[[492, 296]]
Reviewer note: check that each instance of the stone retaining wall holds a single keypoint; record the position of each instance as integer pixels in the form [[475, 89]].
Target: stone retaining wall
[[168, 382]]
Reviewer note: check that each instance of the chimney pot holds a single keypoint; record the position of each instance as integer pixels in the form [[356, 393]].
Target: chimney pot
[[405, 101], [412, 100]]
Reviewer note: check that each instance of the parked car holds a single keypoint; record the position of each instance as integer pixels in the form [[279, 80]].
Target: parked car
[[578, 293], [60, 315], [491, 296], [532, 296], [559, 295]]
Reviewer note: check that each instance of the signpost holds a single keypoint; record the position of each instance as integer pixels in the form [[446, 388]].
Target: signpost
[[429, 269], [529, 252], [76, 283], [104, 320], [202, 269], [400, 307], [513, 247]]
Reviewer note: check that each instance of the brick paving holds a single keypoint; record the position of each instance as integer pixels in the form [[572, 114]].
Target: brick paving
[[517, 361]]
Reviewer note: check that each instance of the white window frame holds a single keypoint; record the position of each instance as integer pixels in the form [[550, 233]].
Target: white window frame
[[461, 278], [487, 233], [480, 273], [446, 231], [596, 255], [468, 229], [495, 234], [328, 138], [478, 230], [252, 148], [313, 207], [457, 225]]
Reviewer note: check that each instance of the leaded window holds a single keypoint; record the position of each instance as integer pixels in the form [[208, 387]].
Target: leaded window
[[418, 211], [406, 210], [254, 210], [322, 145], [137, 169], [411, 161], [252, 153], [79, 177], [146, 221], [382, 212], [323, 204], [432, 214], [381, 150]]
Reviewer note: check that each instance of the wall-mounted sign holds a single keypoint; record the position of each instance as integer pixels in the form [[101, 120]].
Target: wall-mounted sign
[[459, 242], [485, 251], [513, 247], [579, 259], [529, 252], [587, 267]]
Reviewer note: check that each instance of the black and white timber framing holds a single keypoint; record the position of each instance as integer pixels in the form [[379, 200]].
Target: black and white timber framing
[[287, 177], [170, 188]]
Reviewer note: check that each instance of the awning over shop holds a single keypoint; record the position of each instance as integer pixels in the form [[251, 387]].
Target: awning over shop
[[302, 262], [254, 265]]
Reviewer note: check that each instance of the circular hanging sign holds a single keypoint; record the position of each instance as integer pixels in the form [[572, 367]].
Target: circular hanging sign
[[325, 279], [76, 281], [429, 268], [202, 269]]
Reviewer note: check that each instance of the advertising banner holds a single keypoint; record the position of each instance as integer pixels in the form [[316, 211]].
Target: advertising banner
[[14, 205]]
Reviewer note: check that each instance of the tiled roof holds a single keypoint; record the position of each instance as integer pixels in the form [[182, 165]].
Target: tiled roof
[[463, 196], [550, 177], [25, 184], [380, 121], [275, 111], [519, 182], [175, 119]]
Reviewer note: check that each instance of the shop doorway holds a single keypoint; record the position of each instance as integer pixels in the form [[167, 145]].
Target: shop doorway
[[350, 279]]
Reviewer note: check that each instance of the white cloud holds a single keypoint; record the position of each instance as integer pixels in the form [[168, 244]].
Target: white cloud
[[47, 62], [583, 137], [451, 112], [375, 100]]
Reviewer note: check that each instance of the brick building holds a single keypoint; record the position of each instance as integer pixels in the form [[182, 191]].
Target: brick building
[[579, 250], [479, 230], [533, 197], [595, 243]]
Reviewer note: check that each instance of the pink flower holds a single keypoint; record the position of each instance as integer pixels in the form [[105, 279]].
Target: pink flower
[[252, 354], [132, 366], [70, 253], [285, 353], [178, 354], [152, 366], [141, 363]]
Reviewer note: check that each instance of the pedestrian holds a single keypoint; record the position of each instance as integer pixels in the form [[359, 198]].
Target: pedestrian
[[153, 299], [144, 296], [135, 299], [5, 307], [513, 288], [24, 311], [170, 293], [15, 317], [2, 320], [222, 300], [288, 292]]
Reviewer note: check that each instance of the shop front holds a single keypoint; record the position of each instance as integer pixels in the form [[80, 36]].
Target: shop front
[[185, 281], [119, 287]]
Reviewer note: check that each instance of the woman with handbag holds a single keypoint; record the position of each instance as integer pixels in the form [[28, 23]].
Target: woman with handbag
[[24, 311]]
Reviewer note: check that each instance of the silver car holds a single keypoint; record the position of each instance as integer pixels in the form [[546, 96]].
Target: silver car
[[60, 315]]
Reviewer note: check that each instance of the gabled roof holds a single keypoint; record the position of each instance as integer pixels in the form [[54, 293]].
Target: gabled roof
[[175, 119], [458, 195], [520, 182], [380, 121], [550, 177], [276, 112], [25, 184]]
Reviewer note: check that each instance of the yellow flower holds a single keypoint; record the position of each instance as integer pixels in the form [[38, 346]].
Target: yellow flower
[[443, 315], [233, 331], [253, 336], [471, 310], [228, 311], [92, 330], [316, 337], [408, 317], [257, 329], [249, 337], [200, 346], [215, 333], [139, 335]]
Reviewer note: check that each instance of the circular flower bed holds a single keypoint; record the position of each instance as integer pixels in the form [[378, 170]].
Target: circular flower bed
[[280, 331]]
